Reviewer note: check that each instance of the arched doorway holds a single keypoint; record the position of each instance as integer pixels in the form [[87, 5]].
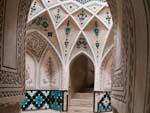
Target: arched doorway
[[81, 74], [81, 84]]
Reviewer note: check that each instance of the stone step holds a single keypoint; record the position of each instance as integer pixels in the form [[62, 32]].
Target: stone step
[[82, 96], [82, 105], [78, 112], [79, 108], [79, 102], [87, 90]]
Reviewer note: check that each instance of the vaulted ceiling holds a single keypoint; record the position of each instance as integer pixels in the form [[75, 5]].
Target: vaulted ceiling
[[72, 27]]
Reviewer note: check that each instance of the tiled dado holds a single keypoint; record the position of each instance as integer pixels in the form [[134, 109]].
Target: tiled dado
[[102, 102], [44, 99]]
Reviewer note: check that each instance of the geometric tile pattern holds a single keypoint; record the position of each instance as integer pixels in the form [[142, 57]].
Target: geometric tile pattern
[[104, 105], [40, 100]]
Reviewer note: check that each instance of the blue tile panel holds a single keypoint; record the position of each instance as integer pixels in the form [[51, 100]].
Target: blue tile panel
[[104, 105], [102, 102], [41, 100]]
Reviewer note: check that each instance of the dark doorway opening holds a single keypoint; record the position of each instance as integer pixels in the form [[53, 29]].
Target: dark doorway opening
[[81, 75]]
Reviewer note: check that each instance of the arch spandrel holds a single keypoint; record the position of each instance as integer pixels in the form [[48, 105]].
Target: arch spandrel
[[82, 45], [68, 33], [43, 24], [96, 36]]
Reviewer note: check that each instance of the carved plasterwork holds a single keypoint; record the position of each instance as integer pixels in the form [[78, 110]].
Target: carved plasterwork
[[124, 77], [129, 41], [12, 83], [36, 45], [59, 12], [43, 25]]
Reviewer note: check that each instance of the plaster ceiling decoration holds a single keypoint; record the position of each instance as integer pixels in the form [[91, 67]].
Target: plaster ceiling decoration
[[96, 33], [44, 25], [94, 7], [58, 14], [82, 46], [71, 7], [36, 45], [82, 17], [50, 3], [41, 23], [68, 33], [62, 22], [106, 16], [36, 7]]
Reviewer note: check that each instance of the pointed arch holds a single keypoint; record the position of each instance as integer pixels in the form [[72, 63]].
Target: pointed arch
[[82, 53], [81, 66]]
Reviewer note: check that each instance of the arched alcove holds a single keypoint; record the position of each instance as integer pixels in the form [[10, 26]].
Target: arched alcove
[[81, 74]]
